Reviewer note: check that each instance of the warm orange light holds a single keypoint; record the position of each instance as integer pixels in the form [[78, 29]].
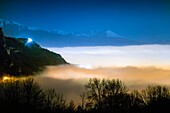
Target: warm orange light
[[5, 78], [8, 78]]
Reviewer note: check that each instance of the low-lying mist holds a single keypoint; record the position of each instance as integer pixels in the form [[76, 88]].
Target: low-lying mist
[[122, 56], [70, 79], [138, 66]]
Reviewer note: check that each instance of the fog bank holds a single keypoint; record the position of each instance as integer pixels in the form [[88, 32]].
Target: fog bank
[[111, 56], [138, 66], [70, 79]]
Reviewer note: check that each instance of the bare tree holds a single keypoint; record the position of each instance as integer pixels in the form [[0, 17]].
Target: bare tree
[[32, 95], [53, 101], [157, 98], [21, 96], [107, 95], [82, 96]]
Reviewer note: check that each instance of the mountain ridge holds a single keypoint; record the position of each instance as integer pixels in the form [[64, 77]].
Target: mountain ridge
[[58, 38], [21, 56]]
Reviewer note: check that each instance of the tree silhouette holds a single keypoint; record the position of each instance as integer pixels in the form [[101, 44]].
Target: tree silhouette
[[107, 96], [157, 99], [71, 107], [95, 92], [100, 96], [54, 102], [137, 102], [10, 96], [21, 96], [32, 95], [82, 96]]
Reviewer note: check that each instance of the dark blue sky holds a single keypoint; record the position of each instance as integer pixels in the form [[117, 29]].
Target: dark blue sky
[[129, 18]]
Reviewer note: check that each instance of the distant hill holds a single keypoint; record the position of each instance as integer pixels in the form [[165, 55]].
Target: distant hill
[[25, 57], [57, 38]]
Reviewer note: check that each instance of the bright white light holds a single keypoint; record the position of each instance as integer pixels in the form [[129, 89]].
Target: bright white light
[[29, 40], [86, 66]]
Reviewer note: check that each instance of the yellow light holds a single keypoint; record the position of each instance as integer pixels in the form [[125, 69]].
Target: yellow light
[[5, 78], [8, 78]]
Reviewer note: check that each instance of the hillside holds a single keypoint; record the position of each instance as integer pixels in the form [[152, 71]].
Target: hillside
[[25, 57]]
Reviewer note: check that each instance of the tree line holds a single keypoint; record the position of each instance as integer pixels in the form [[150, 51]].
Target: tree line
[[100, 96]]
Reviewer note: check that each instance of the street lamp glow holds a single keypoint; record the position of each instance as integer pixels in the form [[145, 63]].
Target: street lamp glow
[[5, 78]]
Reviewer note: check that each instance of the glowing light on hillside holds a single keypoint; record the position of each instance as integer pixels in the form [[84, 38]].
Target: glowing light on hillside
[[5, 78], [9, 78], [29, 40]]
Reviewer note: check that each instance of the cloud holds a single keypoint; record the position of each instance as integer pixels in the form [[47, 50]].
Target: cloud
[[70, 88], [70, 79], [110, 56], [137, 66], [144, 74]]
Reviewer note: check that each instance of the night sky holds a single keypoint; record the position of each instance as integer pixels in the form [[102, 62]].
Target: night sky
[[128, 18]]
